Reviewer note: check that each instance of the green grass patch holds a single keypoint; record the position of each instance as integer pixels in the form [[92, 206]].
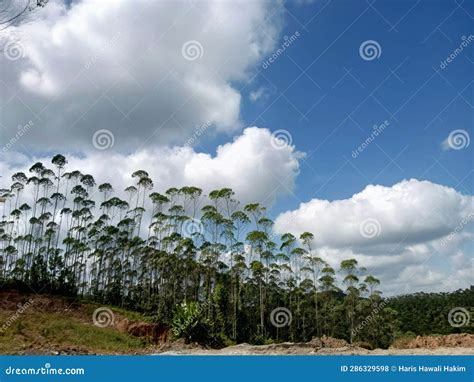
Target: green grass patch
[[37, 332]]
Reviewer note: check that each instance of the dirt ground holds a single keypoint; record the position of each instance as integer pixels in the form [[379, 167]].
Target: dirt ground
[[453, 344], [245, 349]]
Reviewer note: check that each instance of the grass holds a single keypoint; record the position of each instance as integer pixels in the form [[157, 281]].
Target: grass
[[132, 316], [37, 332]]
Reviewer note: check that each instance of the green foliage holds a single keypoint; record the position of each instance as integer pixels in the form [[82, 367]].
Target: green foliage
[[427, 313], [189, 322], [210, 268]]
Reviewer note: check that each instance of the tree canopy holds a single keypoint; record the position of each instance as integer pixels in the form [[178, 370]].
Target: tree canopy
[[204, 264]]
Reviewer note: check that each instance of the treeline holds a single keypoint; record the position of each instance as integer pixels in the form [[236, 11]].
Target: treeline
[[206, 265], [435, 313]]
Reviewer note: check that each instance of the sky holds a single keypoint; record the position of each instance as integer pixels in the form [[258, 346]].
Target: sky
[[350, 119]]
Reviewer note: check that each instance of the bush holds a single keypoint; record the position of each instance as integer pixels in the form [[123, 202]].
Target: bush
[[189, 323]]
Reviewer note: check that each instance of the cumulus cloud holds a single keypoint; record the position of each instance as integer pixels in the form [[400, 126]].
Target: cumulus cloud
[[150, 71], [250, 165], [394, 232]]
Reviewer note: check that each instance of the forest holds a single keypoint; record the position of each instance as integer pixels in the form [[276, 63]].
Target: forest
[[207, 266]]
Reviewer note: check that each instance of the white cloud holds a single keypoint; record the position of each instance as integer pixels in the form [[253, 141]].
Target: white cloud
[[258, 94], [120, 65], [250, 165], [410, 222]]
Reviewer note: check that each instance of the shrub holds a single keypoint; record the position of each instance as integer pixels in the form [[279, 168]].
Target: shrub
[[189, 323]]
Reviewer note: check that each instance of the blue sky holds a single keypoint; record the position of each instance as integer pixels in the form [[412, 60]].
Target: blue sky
[[173, 87], [421, 105]]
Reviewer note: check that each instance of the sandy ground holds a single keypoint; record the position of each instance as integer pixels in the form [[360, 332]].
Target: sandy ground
[[308, 349]]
